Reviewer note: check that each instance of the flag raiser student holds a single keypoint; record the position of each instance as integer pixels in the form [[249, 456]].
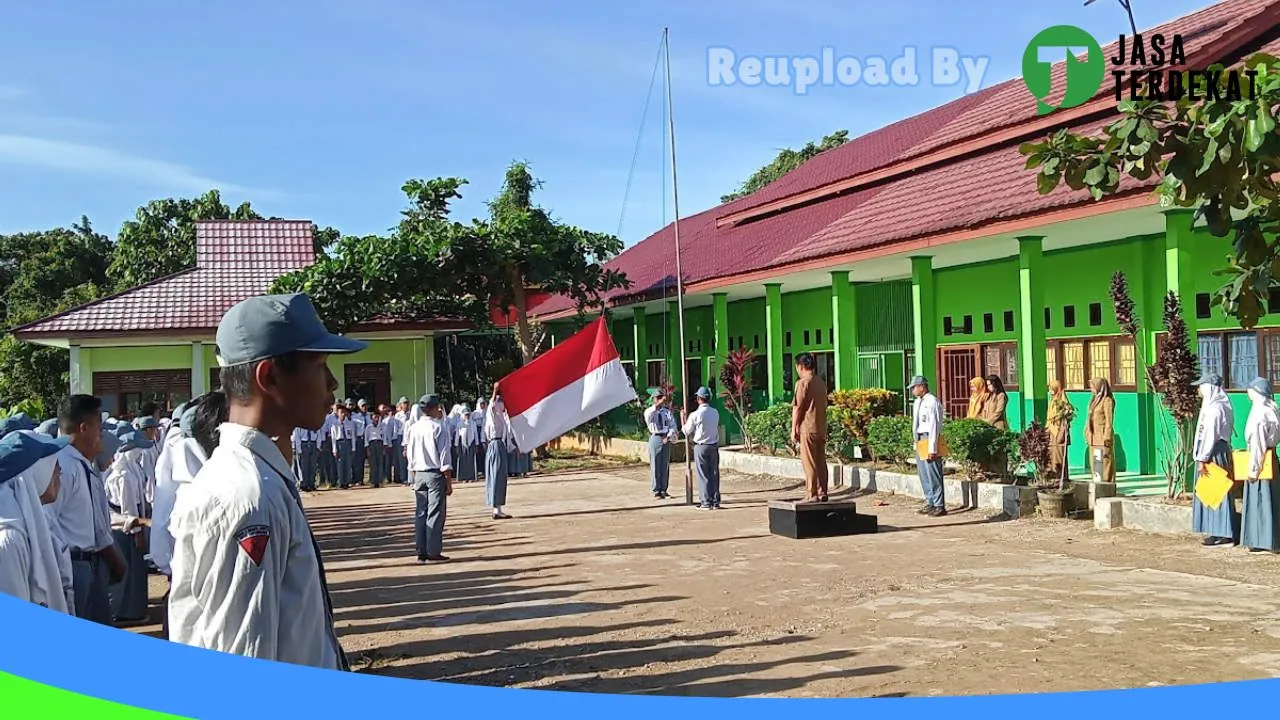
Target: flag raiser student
[[248, 578]]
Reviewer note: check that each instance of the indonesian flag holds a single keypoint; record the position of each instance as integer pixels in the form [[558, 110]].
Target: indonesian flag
[[572, 383]]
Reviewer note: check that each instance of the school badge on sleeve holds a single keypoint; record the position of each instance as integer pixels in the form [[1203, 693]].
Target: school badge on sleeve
[[253, 541]]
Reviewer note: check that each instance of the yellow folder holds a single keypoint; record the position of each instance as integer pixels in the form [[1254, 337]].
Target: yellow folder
[[922, 447], [1213, 486], [1240, 459]]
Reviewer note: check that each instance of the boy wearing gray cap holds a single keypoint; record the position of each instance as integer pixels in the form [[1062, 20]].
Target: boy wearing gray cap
[[248, 578], [429, 448]]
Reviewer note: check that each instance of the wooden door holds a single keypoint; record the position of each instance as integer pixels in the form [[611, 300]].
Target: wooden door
[[368, 381], [957, 365]]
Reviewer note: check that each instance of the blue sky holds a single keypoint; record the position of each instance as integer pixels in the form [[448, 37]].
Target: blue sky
[[322, 109]]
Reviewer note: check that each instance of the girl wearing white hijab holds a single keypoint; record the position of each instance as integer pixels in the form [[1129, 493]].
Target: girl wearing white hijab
[[1259, 531], [497, 427], [34, 563], [464, 458], [126, 486], [1213, 445]]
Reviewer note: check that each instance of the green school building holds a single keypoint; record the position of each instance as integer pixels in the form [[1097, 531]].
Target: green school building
[[155, 342], [925, 247]]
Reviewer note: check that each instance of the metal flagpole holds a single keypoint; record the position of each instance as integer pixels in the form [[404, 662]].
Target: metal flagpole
[[675, 206]]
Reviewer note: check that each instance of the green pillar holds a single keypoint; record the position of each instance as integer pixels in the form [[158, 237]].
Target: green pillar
[[1032, 364], [640, 338], [844, 314], [925, 316], [722, 344], [1140, 283], [675, 351], [1178, 258], [773, 338]]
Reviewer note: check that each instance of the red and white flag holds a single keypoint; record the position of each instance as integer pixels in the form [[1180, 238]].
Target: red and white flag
[[570, 384]]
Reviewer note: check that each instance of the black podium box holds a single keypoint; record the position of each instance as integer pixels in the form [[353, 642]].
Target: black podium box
[[801, 520]]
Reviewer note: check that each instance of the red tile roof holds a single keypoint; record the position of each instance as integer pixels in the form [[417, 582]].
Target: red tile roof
[[235, 259], [914, 204]]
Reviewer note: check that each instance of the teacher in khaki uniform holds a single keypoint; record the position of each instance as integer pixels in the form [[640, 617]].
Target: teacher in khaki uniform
[[809, 427], [248, 578]]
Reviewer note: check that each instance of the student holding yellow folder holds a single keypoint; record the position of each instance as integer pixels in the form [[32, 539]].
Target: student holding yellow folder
[[926, 421], [1220, 525], [1259, 531]]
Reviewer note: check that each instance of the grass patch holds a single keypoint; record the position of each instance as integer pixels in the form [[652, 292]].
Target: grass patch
[[565, 460]]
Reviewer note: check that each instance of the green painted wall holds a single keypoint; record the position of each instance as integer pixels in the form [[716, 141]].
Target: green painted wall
[[409, 364], [974, 291], [806, 321], [884, 317], [122, 359]]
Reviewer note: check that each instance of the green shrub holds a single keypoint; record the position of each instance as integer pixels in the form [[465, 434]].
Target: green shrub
[[855, 409], [771, 429], [978, 447], [891, 439], [840, 442]]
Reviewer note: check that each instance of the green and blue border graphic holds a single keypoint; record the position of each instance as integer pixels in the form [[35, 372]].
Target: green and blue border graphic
[[56, 666]]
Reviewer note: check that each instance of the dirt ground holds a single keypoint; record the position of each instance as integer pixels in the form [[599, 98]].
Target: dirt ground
[[595, 586]]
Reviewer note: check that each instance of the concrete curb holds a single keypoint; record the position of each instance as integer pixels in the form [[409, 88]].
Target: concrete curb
[[1141, 514]]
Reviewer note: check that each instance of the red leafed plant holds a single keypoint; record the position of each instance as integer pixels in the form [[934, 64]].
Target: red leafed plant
[[736, 385]]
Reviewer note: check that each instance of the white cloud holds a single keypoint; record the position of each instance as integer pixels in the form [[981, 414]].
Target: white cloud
[[106, 162]]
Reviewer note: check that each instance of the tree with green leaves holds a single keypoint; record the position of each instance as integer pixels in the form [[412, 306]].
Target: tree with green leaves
[[786, 161], [435, 266], [1218, 157], [45, 273]]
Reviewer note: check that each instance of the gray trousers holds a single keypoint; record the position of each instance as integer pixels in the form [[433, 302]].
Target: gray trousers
[[706, 459], [428, 524], [304, 464], [376, 466], [930, 473], [395, 463], [357, 462], [91, 580], [659, 463], [345, 470], [328, 465]]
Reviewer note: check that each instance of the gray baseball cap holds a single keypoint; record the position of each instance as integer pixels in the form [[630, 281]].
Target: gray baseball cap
[[429, 401], [402, 400], [917, 381], [146, 421], [266, 326]]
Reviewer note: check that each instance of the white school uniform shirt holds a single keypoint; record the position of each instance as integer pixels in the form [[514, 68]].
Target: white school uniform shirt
[[429, 446], [374, 433], [342, 430], [1261, 433], [361, 421], [34, 564], [497, 426], [660, 421], [926, 419], [703, 426], [126, 486], [1215, 422], [477, 425], [393, 429], [81, 513], [247, 575], [180, 459]]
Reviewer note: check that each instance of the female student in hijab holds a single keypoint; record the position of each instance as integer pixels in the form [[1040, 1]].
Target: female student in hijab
[[464, 459], [1058, 423], [1099, 431], [498, 429], [126, 493], [481, 441], [977, 397], [34, 563], [1259, 531], [1213, 445]]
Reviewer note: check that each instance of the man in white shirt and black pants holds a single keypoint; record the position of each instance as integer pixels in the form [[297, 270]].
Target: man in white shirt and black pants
[[306, 453], [248, 578], [429, 448], [702, 427], [926, 424], [81, 511]]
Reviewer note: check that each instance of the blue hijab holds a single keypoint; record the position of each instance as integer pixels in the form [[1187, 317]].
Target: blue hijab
[[21, 450]]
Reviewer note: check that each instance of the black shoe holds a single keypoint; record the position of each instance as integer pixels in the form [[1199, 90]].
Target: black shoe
[[702, 507], [437, 559], [938, 512], [658, 495], [926, 510], [1216, 541]]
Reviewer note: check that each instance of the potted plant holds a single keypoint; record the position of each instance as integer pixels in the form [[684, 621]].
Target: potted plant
[[1052, 493]]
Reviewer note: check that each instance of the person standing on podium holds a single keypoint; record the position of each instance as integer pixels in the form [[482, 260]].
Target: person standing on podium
[[926, 424], [809, 427]]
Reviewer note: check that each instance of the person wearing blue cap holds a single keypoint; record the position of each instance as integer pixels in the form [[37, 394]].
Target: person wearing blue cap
[[248, 576], [16, 422], [662, 430], [393, 429], [926, 425], [429, 448], [342, 436], [702, 427], [126, 485], [34, 565], [1259, 530], [81, 512], [306, 456], [1214, 428]]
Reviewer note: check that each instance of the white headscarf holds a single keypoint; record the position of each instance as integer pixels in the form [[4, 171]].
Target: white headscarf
[[464, 427], [48, 575], [1216, 422], [1261, 430], [497, 424]]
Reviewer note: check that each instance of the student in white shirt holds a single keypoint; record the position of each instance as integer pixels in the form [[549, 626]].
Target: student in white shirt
[[702, 427], [328, 462], [393, 437], [359, 459], [248, 577], [342, 435], [926, 421], [428, 446], [497, 427], [662, 430], [34, 565], [374, 443], [81, 514], [306, 454], [126, 487]]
